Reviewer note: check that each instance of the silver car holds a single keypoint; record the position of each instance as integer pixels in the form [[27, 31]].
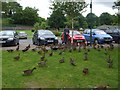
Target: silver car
[[22, 35]]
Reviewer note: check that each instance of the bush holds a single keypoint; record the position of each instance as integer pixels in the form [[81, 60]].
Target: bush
[[57, 33]]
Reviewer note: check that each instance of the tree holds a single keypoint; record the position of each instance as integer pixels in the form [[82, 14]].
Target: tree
[[28, 16], [70, 9], [57, 19], [92, 20], [105, 18], [117, 6], [10, 8]]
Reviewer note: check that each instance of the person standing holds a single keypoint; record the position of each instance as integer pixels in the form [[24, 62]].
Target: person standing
[[66, 35]]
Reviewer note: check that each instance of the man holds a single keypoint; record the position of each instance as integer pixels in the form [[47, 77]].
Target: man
[[66, 35]]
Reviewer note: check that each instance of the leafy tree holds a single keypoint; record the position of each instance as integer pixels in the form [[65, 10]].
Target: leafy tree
[[28, 16], [43, 25], [70, 9], [57, 19], [105, 18], [117, 6], [10, 8], [92, 20]]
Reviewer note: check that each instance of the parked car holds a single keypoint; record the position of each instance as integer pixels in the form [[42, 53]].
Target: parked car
[[76, 38], [22, 35], [98, 36], [41, 37], [115, 34], [9, 37]]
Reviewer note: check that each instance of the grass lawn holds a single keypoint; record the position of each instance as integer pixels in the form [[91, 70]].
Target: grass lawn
[[59, 75]]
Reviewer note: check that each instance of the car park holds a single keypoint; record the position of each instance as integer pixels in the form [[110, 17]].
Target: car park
[[9, 37], [22, 35], [115, 33], [74, 37], [44, 37], [98, 36]]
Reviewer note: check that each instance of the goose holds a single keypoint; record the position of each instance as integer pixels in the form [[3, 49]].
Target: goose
[[42, 63], [29, 71]]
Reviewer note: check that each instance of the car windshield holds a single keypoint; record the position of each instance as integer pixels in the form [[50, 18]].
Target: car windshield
[[99, 32], [45, 33], [6, 33], [75, 33]]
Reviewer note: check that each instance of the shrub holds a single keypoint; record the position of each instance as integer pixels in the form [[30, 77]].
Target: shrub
[[57, 33]]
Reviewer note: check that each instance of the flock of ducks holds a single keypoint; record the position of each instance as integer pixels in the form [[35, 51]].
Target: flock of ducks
[[62, 48]]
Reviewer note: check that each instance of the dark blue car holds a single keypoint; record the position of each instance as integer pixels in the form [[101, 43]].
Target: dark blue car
[[98, 36]]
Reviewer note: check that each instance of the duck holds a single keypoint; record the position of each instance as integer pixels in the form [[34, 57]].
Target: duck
[[29, 71], [72, 62], [17, 48], [10, 50], [85, 71], [62, 60], [60, 53], [51, 53], [17, 57], [42, 63]]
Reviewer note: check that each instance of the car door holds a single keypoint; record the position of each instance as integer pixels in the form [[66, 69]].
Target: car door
[[87, 35]]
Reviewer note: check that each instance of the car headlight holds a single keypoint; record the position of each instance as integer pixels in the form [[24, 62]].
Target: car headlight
[[10, 38], [42, 38], [56, 38]]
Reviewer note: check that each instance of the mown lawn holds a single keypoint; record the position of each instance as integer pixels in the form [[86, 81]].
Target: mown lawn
[[59, 75]]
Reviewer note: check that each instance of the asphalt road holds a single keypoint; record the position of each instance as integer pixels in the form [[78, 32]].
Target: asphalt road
[[25, 42]]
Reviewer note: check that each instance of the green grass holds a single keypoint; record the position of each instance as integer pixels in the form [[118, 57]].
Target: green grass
[[56, 75]]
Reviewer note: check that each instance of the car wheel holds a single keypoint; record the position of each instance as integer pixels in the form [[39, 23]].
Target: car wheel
[[95, 41], [38, 43]]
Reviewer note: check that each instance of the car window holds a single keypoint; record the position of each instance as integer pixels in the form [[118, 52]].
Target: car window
[[45, 32], [6, 33], [99, 32], [75, 33]]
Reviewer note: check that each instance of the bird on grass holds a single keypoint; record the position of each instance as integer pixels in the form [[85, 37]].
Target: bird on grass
[[26, 48], [17, 57], [61, 52], [42, 63], [34, 49], [72, 62], [62, 60], [42, 57], [17, 48], [109, 62], [111, 46], [85, 71], [79, 49], [29, 71], [51, 53], [10, 50], [85, 56]]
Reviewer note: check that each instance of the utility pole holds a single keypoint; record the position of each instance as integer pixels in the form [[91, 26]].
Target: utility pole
[[91, 24]]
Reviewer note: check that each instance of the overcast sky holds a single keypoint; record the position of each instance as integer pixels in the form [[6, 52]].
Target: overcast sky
[[99, 6]]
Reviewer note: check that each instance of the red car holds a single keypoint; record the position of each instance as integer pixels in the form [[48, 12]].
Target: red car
[[78, 38]]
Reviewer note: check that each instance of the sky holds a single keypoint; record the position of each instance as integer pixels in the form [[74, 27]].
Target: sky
[[98, 6]]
